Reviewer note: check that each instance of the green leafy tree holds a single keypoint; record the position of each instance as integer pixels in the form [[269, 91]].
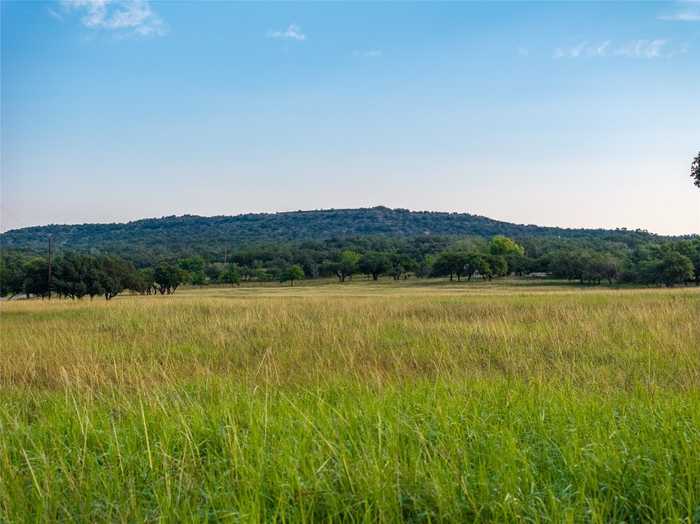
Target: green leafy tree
[[374, 263], [675, 268], [167, 277], [213, 272], [475, 263], [231, 275], [442, 266], [11, 276], [347, 264], [452, 263], [401, 265], [565, 264], [147, 283], [695, 170], [293, 273], [194, 264], [501, 245], [462, 264], [198, 278], [329, 268], [425, 266], [518, 264], [192, 270], [36, 277], [496, 266], [691, 249], [608, 267], [116, 275], [70, 275], [306, 260], [512, 252]]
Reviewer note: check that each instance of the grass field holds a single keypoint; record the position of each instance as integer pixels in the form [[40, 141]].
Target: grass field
[[367, 402]]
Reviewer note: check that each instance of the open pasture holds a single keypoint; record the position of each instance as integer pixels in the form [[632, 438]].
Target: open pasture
[[520, 401]]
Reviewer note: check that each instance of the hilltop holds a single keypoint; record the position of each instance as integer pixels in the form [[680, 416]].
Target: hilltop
[[190, 232]]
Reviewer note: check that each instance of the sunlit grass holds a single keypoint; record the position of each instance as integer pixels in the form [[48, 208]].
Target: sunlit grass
[[362, 402]]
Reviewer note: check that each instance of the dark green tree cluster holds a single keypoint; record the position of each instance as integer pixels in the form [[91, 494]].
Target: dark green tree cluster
[[666, 264], [586, 266], [76, 275], [292, 274], [490, 261], [73, 276]]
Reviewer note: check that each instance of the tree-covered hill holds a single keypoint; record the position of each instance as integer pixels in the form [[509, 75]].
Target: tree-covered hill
[[188, 233], [160, 254]]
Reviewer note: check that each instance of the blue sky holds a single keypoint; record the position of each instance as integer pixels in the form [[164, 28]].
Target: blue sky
[[568, 114]]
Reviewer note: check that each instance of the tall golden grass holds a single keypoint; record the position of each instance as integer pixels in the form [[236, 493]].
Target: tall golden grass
[[359, 402]]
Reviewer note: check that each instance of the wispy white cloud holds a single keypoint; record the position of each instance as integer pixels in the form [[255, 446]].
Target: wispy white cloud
[[687, 11], [645, 49], [124, 17], [371, 53], [571, 52], [54, 14], [649, 49], [293, 32], [682, 16]]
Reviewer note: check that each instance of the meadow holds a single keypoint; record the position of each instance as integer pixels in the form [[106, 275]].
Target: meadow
[[443, 402]]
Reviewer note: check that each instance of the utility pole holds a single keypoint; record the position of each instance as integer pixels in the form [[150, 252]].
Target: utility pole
[[50, 279]]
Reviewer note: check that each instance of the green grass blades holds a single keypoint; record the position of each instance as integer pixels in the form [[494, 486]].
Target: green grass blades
[[509, 405]]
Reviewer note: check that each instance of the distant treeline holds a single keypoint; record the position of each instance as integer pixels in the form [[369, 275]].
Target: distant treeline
[[588, 261]]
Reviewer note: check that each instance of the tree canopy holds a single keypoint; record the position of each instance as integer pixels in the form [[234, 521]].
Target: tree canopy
[[292, 274], [589, 262]]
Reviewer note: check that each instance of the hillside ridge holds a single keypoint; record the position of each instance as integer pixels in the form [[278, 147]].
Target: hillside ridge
[[186, 232]]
